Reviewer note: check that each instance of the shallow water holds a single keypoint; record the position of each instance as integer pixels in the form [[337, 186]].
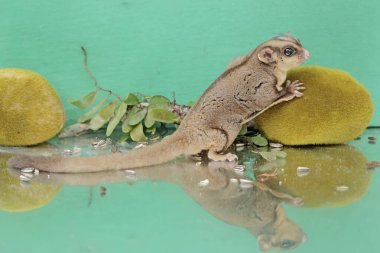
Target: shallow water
[[187, 206]]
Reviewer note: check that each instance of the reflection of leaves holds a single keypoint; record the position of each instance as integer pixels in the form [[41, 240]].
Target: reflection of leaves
[[88, 115], [137, 133], [85, 101], [272, 155], [161, 115], [103, 116], [134, 116], [259, 140], [131, 99], [159, 102], [115, 120]]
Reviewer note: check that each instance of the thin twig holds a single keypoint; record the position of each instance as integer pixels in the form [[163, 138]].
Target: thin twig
[[94, 78]]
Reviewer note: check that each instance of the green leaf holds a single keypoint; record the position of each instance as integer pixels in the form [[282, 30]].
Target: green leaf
[[148, 121], [151, 130], [137, 133], [162, 115], [103, 116], [88, 115], [269, 156], [123, 138], [134, 116], [125, 127], [159, 102], [85, 101], [243, 130], [131, 99], [259, 140], [116, 119]]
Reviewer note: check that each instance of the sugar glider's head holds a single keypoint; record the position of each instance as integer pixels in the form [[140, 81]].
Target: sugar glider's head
[[285, 52]]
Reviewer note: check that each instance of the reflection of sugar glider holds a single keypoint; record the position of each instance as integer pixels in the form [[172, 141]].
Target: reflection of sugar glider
[[256, 208], [251, 84]]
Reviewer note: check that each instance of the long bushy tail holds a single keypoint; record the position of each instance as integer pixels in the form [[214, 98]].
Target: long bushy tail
[[163, 151]]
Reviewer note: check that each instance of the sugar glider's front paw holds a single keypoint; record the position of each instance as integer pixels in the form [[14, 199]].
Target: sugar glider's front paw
[[293, 89]]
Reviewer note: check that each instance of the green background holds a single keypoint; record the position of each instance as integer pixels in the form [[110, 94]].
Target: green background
[[157, 47]]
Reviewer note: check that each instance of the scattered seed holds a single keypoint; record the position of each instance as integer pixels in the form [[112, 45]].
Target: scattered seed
[[130, 172], [198, 163], [240, 148], [204, 183], [239, 169], [28, 175], [141, 145], [372, 142], [27, 170], [145, 104], [244, 183], [238, 145], [275, 145], [234, 180], [275, 149], [36, 172], [280, 183], [303, 171], [67, 152], [342, 188], [24, 178], [100, 143], [372, 138]]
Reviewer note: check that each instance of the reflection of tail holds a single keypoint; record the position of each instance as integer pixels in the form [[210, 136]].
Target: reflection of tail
[[163, 151]]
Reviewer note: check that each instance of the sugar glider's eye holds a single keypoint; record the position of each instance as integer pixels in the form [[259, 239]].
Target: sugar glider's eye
[[287, 244], [289, 51]]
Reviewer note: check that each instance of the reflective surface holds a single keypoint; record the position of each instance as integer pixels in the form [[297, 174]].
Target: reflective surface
[[317, 199]]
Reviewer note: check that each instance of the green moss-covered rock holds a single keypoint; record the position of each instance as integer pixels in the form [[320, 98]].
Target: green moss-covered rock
[[30, 109], [337, 176], [335, 109], [17, 198]]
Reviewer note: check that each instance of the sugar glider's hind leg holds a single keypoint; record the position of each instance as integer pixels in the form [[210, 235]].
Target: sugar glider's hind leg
[[220, 141]]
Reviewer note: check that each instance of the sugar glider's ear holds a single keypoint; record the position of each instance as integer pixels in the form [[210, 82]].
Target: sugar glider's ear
[[267, 55]]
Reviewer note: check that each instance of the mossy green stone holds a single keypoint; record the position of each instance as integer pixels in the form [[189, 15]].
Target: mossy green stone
[[335, 109], [31, 111]]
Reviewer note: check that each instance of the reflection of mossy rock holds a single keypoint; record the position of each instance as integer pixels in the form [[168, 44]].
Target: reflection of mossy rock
[[16, 198], [30, 109], [330, 167], [335, 109]]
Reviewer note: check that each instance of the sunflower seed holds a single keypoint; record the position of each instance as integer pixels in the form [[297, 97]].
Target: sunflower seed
[[238, 145], [141, 145], [342, 188], [76, 150], [24, 178], [244, 183], [130, 172], [372, 138], [36, 172], [28, 175], [67, 152], [27, 170], [275, 145], [239, 169], [303, 171], [204, 183], [234, 180]]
